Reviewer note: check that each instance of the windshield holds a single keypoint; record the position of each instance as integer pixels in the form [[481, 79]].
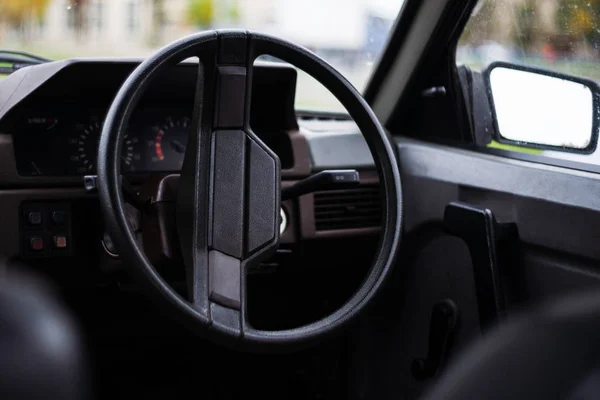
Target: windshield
[[349, 34]]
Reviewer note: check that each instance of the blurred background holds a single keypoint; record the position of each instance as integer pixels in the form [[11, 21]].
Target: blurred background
[[559, 35], [350, 34], [562, 35]]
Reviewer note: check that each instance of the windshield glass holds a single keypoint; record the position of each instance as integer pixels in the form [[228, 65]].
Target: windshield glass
[[349, 34]]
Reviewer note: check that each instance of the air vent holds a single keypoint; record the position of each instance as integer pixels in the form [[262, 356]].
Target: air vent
[[348, 209]]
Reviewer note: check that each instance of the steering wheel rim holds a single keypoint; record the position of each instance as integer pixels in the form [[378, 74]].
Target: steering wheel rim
[[220, 325]]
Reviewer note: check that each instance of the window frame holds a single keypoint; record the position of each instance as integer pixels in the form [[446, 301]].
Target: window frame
[[535, 158], [437, 67]]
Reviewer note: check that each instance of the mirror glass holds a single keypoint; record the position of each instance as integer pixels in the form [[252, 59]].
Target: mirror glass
[[541, 109]]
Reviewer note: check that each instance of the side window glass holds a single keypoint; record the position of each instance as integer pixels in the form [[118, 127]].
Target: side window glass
[[539, 62]]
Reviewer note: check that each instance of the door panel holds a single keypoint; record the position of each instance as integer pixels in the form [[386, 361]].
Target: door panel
[[557, 212], [553, 207]]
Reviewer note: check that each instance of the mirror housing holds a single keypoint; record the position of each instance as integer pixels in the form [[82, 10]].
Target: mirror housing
[[538, 108]]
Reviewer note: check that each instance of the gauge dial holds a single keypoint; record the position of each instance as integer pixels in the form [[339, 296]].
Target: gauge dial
[[168, 142], [86, 139], [36, 140], [84, 153], [130, 156]]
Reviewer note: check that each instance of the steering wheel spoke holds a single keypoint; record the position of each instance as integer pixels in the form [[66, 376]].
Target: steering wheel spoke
[[229, 183]]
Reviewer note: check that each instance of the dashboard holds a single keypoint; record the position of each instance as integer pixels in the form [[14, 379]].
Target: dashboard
[[59, 139], [51, 116], [65, 141]]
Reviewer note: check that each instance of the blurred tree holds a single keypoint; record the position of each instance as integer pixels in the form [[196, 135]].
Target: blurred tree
[[201, 12], [234, 12], [578, 20], [17, 14]]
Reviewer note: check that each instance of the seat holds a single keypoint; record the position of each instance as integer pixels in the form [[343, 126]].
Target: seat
[[41, 350], [550, 352]]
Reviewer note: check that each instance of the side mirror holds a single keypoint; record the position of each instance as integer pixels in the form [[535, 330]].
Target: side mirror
[[543, 109]]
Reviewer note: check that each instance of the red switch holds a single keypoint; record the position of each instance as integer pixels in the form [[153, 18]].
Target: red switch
[[36, 243], [60, 242]]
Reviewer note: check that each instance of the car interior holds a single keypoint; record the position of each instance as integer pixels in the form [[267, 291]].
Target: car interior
[[174, 226]]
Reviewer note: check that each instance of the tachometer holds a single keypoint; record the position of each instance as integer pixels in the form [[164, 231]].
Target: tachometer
[[84, 149], [84, 158], [168, 142], [130, 155]]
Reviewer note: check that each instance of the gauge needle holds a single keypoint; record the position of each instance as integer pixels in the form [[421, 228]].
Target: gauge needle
[[177, 146], [36, 168], [54, 122]]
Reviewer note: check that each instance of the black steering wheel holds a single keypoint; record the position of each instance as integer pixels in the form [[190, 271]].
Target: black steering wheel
[[228, 200]]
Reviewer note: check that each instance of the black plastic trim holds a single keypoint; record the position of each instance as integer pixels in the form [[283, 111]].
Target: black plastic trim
[[356, 154], [559, 181], [404, 20], [472, 168]]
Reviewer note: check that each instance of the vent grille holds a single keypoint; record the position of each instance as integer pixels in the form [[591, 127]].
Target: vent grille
[[348, 209]]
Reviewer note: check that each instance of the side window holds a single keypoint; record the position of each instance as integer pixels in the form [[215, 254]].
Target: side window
[[539, 62]]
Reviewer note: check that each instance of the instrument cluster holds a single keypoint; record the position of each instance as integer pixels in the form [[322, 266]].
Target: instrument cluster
[[66, 143]]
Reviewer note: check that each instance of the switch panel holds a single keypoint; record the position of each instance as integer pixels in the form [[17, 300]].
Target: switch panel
[[45, 229]]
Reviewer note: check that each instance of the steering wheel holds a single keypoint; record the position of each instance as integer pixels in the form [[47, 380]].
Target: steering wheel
[[228, 200]]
